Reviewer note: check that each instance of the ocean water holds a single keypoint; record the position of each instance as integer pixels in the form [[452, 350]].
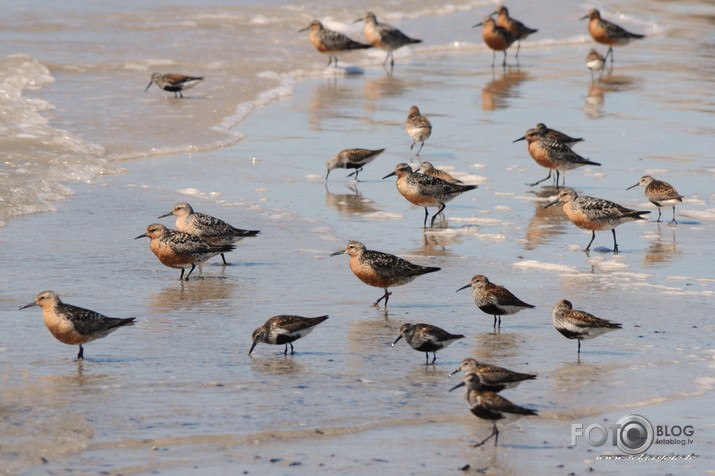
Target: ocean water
[[89, 160]]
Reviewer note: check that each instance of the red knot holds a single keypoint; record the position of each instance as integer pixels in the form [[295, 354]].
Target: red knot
[[174, 83], [575, 324], [384, 36], [180, 250], [426, 338], [381, 270], [515, 27], [552, 154], [284, 330], [497, 38], [607, 33], [661, 194], [418, 127], [206, 227], [74, 325], [595, 62], [493, 378], [425, 190], [594, 214], [427, 168], [352, 159], [488, 405], [558, 135], [494, 299], [331, 42]]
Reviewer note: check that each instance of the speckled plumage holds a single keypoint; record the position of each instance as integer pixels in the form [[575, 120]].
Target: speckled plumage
[[75, 325], [493, 378], [331, 42], [595, 62], [352, 159], [558, 135], [418, 127], [426, 338], [384, 36], [514, 26], [174, 83], [427, 168], [494, 299], [575, 324], [659, 193], [608, 33], [284, 330]]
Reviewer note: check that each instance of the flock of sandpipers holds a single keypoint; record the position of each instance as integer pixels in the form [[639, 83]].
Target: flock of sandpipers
[[198, 237]]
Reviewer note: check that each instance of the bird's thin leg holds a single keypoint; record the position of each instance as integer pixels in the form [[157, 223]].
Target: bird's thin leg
[[426, 358], [292, 352], [673, 220], [224, 259], [442, 205], [542, 180], [434, 357], [494, 432], [494, 57], [518, 47], [285, 349], [413, 144], [615, 245], [503, 64], [658, 220], [499, 325], [193, 266], [424, 225], [557, 178], [579, 346], [385, 296], [181, 276], [593, 237], [420, 149], [80, 354]]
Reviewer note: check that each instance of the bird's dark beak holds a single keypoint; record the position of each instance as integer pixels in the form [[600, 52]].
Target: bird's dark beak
[[520, 138], [396, 340], [166, 214], [253, 346], [147, 88], [389, 175], [359, 19], [478, 24], [337, 253], [632, 186], [28, 305], [552, 203], [142, 236], [583, 17], [456, 371], [457, 386], [464, 287], [304, 29]]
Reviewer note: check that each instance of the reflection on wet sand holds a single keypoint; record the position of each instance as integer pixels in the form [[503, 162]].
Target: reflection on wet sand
[[349, 203], [370, 340], [328, 100], [581, 375], [497, 92], [663, 248], [383, 87], [494, 348], [184, 294], [275, 363], [595, 98], [435, 244], [546, 222]]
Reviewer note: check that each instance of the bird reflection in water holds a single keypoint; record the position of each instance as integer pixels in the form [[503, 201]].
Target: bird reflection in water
[[497, 93], [545, 223], [662, 249], [348, 204], [596, 96]]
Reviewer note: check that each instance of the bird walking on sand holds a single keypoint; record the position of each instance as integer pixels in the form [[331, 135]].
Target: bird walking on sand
[[575, 324], [607, 33], [418, 127], [174, 83], [595, 62], [488, 405], [384, 36], [426, 190], [515, 27], [284, 330], [331, 42], [426, 338], [352, 159], [494, 299], [75, 325], [381, 270], [593, 214], [552, 154], [497, 38], [180, 250], [206, 227], [558, 135], [493, 378], [659, 193], [427, 168]]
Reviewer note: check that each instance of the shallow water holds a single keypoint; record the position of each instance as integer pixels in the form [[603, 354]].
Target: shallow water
[[178, 394]]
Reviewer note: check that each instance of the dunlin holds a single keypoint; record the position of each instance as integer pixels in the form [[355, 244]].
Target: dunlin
[[210, 229], [661, 194], [493, 378], [331, 42], [494, 299], [74, 325], [180, 250], [595, 62], [515, 27], [488, 405], [425, 190], [552, 154], [381, 270], [575, 324], [593, 214], [418, 127], [285, 329], [384, 36], [174, 83], [607, 33], [497, 38], [426, 338], [352, 159], [558, 135], [428, 169]]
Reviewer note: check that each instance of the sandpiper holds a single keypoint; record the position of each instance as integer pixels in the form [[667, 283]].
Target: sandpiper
[[381, 270], [418, 127], [607, 33], [428, 169], [593, 214], [497, 38], [352, 159], [494, 299], [426, 338], [488, 405], [209, 228], [515, 27], [425, 190], [558, 135], [595, 62], [331, 42], [659, 193], [575, 324], [493, 378], [552, 154], [74, 325], [180, 250], [174, 83], [384, 36], [284, 329]]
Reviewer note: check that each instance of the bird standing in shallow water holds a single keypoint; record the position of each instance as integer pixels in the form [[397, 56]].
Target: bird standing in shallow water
[[607, 33], [494, 299], [384, 36], [331, 42], [352, 159], [174, 83], [426, 338], [418, 127], [381, 270], [75, 325], [493, 378], [497, 38], [284, 329], [515, 27], [575, 324], [595, 62], [661, 194]]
